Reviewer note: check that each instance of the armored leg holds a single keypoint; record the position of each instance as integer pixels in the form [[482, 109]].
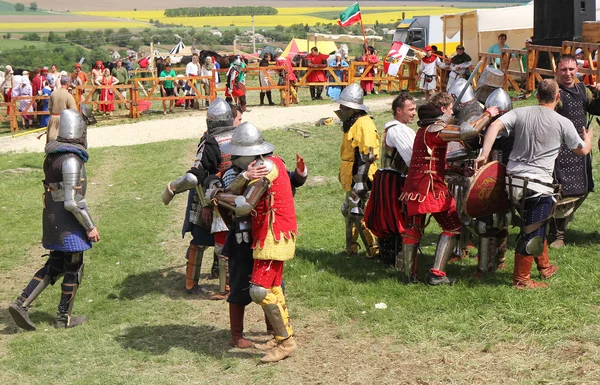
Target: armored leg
[[409, 252], [70, 284], [351, 236], [192, 270], [223, 275], [273, 303], [445, 247], [47, 275]]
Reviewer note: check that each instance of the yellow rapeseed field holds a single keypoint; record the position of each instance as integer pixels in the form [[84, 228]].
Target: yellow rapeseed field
[[286, 16]]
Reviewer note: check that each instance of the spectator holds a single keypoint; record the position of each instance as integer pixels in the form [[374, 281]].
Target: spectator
[[46, 91], [7, 86], [264, 79], [107, 94], [333, 91], [371, 58], [288, 72], [53, 77], [207, 70], [60, 100], [167, 87], [316, 60], [193, 69], [428, 72], [80, 74], [459, 64], [96, 76], [121, 74], [438, 52], [497, 48], [24, 89]]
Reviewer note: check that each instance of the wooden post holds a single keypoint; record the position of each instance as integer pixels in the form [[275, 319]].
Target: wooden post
[[445, 31]]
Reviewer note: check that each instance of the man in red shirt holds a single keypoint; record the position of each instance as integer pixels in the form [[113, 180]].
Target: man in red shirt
[[316, 60]]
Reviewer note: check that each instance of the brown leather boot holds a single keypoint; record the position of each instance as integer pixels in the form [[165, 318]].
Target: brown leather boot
[[270, 344], [522, 274], [543, 263], [283, 349], [236, 322]]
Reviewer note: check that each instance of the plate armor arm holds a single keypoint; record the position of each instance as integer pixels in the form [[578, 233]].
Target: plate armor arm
[[186, 182], [245, 203], [360, 178], [467, 130], [75, 202]]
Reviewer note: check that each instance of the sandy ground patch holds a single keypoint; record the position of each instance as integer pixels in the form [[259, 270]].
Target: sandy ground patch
[[189, 127]]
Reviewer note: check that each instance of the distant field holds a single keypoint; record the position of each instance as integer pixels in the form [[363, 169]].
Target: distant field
[[286, 16], [92, 20]]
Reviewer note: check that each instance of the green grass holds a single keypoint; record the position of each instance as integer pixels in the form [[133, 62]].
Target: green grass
[[7, 8], [144, 330]]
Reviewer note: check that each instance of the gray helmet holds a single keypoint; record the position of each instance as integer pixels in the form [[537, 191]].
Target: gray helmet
[[500, 99], [457, 87], [219, 114], [72, 125], [247, 140], [352, 97], [86, 111]]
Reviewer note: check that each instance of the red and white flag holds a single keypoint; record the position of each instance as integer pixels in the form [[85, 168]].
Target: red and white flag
[[398, 52]]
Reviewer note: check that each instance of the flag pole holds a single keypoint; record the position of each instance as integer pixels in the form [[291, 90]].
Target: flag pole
[[362, 27]]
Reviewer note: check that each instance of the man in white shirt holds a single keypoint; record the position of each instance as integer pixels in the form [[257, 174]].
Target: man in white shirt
[[191, 69], [384, 216], [539, 132]]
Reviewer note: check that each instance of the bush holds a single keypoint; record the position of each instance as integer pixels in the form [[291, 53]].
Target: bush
[[19, 7], [32, 36], [33, 6]]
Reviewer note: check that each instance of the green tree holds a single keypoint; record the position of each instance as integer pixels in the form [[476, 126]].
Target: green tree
[[32, 36], [19, 7], [53, 37], [33, 6]]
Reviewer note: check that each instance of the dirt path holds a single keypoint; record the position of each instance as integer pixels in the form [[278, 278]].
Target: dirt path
[[188, 127]]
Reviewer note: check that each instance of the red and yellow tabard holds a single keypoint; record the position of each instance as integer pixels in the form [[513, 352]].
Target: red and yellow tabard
[[274, 227], [362, 135]]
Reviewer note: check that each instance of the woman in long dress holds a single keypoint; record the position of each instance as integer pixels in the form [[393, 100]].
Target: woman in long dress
[[24, 89], [46, 91], [107, 94]]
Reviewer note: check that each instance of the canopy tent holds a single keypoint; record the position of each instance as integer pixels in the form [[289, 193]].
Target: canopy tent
[[479, 29], [302, 45], [268, 49]]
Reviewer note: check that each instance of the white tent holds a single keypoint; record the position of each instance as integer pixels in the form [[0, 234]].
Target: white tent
[[481, 27]]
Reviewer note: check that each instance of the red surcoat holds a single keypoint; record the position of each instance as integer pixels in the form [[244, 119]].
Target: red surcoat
[[275, 209]]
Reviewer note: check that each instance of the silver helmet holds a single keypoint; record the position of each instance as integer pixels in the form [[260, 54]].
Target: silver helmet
[[247, 140], [457, 87], [500, 99], [219, 114], [72, 125], [352, 97]]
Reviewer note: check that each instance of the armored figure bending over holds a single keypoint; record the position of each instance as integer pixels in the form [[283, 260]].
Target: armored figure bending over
[[359, 152], [68, 229], [210, 160]]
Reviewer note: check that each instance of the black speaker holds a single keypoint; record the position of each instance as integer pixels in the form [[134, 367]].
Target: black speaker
[[555, 21]]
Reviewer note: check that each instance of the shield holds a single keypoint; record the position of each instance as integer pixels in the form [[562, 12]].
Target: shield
[[487, 195]]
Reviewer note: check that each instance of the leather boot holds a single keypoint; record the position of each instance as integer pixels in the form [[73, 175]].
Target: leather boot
[[522, 274], [270, 344], [262, 98], [283, 349], [312, 92], [269, 98], [20, 315], [543, 263], [236, 323], [557, 229], [64, 321]]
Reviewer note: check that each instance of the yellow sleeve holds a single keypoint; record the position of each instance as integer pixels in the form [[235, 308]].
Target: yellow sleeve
[[363, 134]]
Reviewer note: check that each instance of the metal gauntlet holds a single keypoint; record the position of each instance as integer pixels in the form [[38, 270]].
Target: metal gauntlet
[[186, 182], [362, 174], [467, 130]]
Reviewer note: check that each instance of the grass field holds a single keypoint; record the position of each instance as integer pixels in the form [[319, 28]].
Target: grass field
[[144, 330], [7, 8]]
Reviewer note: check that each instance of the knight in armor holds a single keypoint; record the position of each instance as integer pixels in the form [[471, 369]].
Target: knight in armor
[[68, 229], [539, 133], [236, 90], [240, 256], [384, 215], [210, 160], [425, 191], [359, 151], [269, 204], [572, 172]]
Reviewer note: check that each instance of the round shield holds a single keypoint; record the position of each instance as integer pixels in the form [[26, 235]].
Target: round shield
[[487, 194]]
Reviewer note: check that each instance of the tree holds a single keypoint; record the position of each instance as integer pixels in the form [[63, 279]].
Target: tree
[[53, 37], [33, 6], [19, 7]]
